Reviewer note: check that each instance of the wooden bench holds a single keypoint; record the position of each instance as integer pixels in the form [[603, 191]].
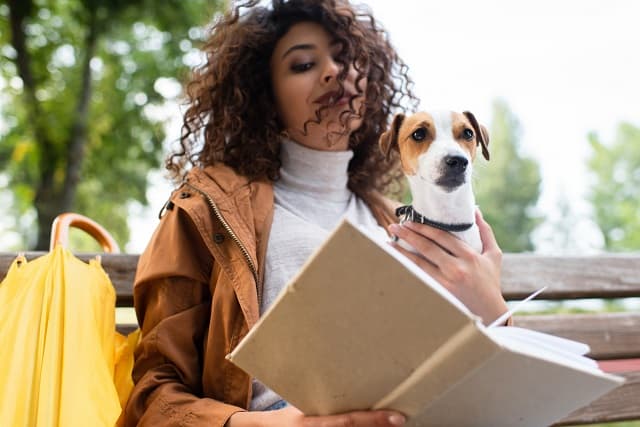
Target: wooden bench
[[614, 337]]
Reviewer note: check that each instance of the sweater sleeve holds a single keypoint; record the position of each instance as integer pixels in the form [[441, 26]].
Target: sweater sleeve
[[173, 305]]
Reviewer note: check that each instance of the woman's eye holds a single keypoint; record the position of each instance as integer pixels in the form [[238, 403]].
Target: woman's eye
[[419, 134], [467, 134], [300, 68]]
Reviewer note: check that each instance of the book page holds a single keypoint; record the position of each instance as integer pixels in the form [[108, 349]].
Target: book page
[[550, 347]]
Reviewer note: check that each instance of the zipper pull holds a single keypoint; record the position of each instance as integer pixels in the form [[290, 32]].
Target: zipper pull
[[168, 206]]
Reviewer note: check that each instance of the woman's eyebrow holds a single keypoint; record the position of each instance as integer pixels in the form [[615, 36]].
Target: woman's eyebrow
[[303, 46]]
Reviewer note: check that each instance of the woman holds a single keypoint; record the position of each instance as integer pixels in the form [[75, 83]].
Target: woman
[[281, 133]]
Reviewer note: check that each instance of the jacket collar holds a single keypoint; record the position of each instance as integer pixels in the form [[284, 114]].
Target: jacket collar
[[247, 208]]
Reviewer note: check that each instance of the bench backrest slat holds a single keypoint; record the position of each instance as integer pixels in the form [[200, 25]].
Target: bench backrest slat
[[603, 276], [610, 335]]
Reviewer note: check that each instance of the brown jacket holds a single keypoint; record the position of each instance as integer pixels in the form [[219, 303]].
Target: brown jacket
[[196, 295]]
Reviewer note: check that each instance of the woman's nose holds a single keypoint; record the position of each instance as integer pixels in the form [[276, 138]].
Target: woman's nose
[[331, 70]]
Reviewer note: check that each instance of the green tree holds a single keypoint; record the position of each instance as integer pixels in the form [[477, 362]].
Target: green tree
[[508, 186], [85, 82], [615, 191]]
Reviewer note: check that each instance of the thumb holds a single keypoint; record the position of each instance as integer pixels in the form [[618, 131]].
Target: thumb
[[489, 242]]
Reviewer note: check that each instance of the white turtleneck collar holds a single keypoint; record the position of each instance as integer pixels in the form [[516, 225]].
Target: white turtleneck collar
[[314, 172]]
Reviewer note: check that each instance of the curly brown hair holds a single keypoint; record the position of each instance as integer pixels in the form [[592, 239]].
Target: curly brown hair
[[231, 116]]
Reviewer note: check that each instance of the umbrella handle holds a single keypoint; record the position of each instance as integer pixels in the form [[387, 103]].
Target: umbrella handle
[[62, 223]]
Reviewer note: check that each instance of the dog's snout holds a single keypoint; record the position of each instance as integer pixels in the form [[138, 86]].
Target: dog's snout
[[456, 163], [453, 171]]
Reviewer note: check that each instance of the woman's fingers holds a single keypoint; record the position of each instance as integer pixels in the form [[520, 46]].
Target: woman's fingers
[[489, 242], [438, 246], [423, 244], [291, 416], [472, 277], [443, 239], [426, 265], [449, 270], [357, 419]]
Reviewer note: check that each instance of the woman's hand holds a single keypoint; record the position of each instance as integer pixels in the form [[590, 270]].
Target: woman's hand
[[292, 417], [472, 277]]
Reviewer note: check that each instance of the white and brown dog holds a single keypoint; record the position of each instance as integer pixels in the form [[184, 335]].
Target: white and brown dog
[[437, 150]]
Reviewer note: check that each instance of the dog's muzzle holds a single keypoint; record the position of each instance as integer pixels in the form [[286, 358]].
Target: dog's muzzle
[[452, 172]]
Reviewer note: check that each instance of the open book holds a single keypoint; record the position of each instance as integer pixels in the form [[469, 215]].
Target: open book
[[361, 327]]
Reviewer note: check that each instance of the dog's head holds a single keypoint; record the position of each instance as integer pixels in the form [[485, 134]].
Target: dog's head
[[437, 147]]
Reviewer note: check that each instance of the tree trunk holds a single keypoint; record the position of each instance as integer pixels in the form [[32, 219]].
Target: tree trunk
[[45, 197], [78, 137], [47, 206], [51, 199]]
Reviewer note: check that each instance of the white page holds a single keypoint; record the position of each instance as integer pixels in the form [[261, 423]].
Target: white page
[[543, 345]]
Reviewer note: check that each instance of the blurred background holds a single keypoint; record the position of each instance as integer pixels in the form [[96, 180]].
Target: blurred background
[[91, 103]]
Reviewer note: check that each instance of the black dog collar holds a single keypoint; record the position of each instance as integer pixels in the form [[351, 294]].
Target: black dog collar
[[409, 214]]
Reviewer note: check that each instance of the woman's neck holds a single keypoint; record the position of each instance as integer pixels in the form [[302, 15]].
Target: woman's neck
[[322, 139], [319, 173]]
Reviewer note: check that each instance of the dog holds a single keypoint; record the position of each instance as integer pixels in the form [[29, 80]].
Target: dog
[[437, 150]]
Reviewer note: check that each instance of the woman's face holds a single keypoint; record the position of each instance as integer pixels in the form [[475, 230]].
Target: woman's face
[[304, 79]]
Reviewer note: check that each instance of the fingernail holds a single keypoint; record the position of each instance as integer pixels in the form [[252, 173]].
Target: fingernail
[[396, 419], [393, 228]]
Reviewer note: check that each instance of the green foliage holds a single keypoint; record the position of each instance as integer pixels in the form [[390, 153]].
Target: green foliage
[[143, 51], [508, 186], [615, 193]]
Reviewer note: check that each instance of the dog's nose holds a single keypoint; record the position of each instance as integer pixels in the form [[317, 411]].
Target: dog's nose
[[456, 163]]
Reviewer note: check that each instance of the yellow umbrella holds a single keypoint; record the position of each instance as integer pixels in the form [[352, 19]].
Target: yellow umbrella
[[58, 344]]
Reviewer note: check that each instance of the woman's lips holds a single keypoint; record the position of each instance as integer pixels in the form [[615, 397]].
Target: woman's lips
[[331, 98]]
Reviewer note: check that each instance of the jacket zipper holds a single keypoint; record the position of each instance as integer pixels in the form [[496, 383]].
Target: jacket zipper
[[234, 237]]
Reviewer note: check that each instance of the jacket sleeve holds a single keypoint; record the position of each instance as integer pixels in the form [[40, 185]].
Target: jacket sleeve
[[173, 305]]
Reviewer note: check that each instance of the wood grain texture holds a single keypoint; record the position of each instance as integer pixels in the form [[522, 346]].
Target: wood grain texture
[[602, 276], [620, 404], [610, 335]]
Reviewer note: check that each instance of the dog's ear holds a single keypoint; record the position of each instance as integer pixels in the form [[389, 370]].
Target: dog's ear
[[389, 139], [482, 134]]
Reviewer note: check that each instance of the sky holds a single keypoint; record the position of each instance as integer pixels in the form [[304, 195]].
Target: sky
[[565, 68]]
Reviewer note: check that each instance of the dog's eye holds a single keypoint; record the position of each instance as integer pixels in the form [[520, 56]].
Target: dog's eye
[[467, 134], [419, 134]]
